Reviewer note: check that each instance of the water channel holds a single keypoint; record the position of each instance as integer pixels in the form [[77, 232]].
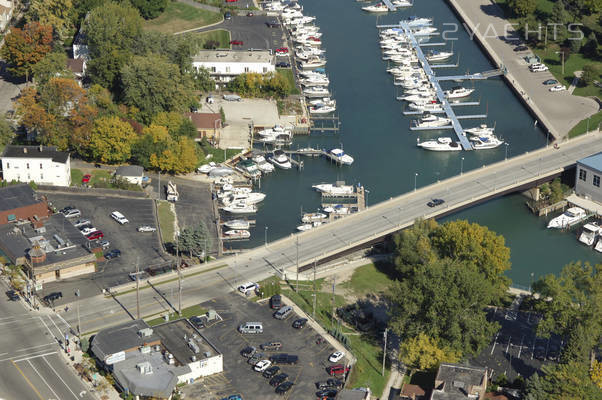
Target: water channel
[[377, 135]]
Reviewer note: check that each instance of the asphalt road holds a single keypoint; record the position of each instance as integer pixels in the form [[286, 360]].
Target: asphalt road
[[376, 221], [31, 365]]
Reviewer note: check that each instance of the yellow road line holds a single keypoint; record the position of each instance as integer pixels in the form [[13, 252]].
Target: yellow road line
[[27, 380]]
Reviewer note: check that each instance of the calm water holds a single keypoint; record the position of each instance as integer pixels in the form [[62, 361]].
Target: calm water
[[376, 134]]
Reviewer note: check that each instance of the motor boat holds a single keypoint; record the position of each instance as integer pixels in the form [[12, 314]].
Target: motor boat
[[458, 92], [339, 156], [284, 139], [481, 130], [415, 21], [279, 159], [277, 129], [417, 98], [432, 121], [240, 208], [339, 209], [570, 217], [402, 3], [312, 73], [485, 142], [589, 234], [326, 101], [313, 217], [321, 109], [238, 234], [429, 107], [441, 144], [250, 167], [315, 81], [220, 171], [206, 168], [265, 167], [334, 189], [376, 8], [313, 63], [316, 91], [436, 55], [237, 224], [424, 31], [248, 198], [308, 226]]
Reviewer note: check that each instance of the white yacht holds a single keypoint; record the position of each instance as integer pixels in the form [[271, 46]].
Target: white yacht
[[312, 217], [416, 21], [424, 31], [437, 55], [250, 167], [206, 168], [432, 121], [481, 130], [308, 226], [376, 8], [429, 107], [276, 130], [334, 189], [316, 91], [265, 167], [248, 198], [285, 138], [238, 234], [339, 209], [311, 74], [485, 142], [458, 92], [312, 63], [325, 101], [237, 224], [570, 217], [402, 3], [589, 234], [418, 98], [339, 156], [441, 144], [315, 81], [280, 160], [321, 109], [240, 208]]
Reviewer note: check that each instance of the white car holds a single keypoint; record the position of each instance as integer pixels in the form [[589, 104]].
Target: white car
[[538, 68], [81, 222], [262, 365], [247, 287], [336, 356], [72, 213], [557, 88], [87, 231], [146, 228], [119, 217]]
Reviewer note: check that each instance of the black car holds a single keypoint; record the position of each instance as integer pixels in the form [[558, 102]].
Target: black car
[[283, 64], [12, 295], [550, 82], [284, 358], [273, 24], [198, 322], [522, 47], [435, 202], [276, 302], [115, 253], [326, 393], [300, 323], [278, 379], [255, 358], [553, 353], [248, 351], [284, 387], [65, 209], [53, 296], [335, 383], [540, 353], [270, 372]]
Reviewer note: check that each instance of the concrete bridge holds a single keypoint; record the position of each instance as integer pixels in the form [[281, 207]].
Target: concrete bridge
[[352, 232]]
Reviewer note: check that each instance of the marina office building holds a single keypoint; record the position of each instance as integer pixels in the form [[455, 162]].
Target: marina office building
[[225, 65]]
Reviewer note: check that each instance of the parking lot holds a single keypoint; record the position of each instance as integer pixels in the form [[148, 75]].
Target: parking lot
[[238, 376], [141, 247], [253, 31], [515, 350]]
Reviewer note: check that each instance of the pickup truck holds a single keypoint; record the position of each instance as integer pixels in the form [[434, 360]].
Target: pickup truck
[[283, 358], [271, 346]]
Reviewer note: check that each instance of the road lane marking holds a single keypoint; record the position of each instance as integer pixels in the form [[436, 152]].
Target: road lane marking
[[48, 329], [43, 380], [33, 347], [57, 328], [32, 357], [16, 321], [28, 381], [64, 383]]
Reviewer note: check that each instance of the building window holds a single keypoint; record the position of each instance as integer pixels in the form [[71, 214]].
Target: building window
[[41, 166], [212, 69], [596, 180], [246, 69], [41, 177], [582, 174], [227, 69], [27, 165], [265, 70]]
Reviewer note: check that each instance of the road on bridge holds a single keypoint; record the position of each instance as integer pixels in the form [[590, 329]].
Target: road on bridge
[[381, 219]]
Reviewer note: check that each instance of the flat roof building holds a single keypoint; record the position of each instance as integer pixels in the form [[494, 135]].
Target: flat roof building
[[587, 180], [44, 165], [459, 382], [224, 65], [21, 203]]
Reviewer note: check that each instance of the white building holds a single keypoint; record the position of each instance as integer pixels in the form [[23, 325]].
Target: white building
[[6, 13], [224, 65], [41, 164], [130, 173], [587, 181]]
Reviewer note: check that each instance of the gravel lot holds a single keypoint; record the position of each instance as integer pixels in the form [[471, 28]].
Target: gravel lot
[[238, 376]]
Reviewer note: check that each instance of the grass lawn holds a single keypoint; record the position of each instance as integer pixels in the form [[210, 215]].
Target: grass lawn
[[166, 221], [214, 3], [288, 74], [368, 279], [221, 36], [179, 17], [186, 313], [218, 154], [594, 121], [573, 63], [100, 178], [367, 371], [76, 176]]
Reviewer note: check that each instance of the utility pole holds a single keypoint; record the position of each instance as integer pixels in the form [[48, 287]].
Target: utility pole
[[179, 276], [313, 314], [78, 320], [138, 287], [334, 281], [297, 288], [384, 351]]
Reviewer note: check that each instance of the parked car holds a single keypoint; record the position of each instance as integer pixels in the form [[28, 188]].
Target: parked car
[[86, 178], [248, 351], [276, 302], [233, 397], [284, 312], [283, 64], [331, 383], [299, 323], [521, 47], [282, 50], [326, 393], [270, 372], [115, 253], [65, 209], [550, 82], [12, 295], [262, 365], [142, 275], [119, 217], [435, 202], [557, 88], [86, 230], [146, 228], [53, 296], [198, 322], [104, 244], [278, 379], [271, 346], [95, 235], [236, 42], [284, 387], [336, 356], [255, 358], [284, 358], [337, 369], [247, 287], [538, 68], [72, 213], [273, 24], [250, 14], [231, 1], [81, 222], [227, 16]]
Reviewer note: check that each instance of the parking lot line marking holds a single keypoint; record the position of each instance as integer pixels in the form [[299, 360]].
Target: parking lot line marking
[[520, 348], [57, 374], [508, 345], [42, 378], [28, 381], [495, 342]]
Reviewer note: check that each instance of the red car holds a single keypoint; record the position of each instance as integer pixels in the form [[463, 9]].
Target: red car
[[337, 369], [238, 42], [282, 50], [86, 178], [231, 1], [95, 235]]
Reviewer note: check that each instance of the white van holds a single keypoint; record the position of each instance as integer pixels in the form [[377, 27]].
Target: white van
[[119, 217], [251, 327]]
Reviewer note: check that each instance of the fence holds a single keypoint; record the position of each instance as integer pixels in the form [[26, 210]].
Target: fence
[[92, 191]]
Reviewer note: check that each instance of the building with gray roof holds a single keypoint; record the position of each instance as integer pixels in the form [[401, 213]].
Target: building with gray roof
[[130, 173], [587, 179], [44, 165], [112, 343], [459, 382]]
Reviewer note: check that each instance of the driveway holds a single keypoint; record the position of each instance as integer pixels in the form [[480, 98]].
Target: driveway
[[9, 89], [252, 31]]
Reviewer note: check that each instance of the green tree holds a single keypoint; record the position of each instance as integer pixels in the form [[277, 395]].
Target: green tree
[[589, 75], [23, 48], [54, 64], [111, 140], [7, 133], [203, 80], [590, 49], [559, 14], [425, 353], [55, 13], [150, 9], [195, 241], [569, 381], [177, 124], [178, 49], [522, 8], [153, 85]]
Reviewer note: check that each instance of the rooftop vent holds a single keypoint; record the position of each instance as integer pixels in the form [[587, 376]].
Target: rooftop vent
[[146, 332], [145, 368], [458, 384]]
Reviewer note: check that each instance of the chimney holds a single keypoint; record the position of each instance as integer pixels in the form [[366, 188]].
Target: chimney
[[25, 150]]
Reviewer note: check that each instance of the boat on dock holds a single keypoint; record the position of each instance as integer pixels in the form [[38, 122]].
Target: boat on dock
[[279, 159], [240, 208], [315, 81], [402, 3], [321, 109], [312, 63], [262, 164], [428, 107], [334, 189], [338, 209], [436, 55], [458, 92], [441, 144], [482, 130], [247, 198], [237, 224], [340, 157], [415, 21], [485, 142], [326, 101], [308, 226], [432, 121], [316, 91], [249, 167], [313, 217], [589, 234], [276, 129], [376, 8], [567, 219], [237, 234]]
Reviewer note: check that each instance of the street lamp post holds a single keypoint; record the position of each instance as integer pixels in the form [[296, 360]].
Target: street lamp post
[[78, 320], [562, 55], [415, 177], [266, 236], [461, 165], [506, 156]]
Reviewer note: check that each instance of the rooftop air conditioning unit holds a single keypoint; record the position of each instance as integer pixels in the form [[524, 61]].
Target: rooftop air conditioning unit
[[146, 332]]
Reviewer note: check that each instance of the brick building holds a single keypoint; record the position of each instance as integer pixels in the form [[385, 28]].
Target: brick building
[[21, 203]]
